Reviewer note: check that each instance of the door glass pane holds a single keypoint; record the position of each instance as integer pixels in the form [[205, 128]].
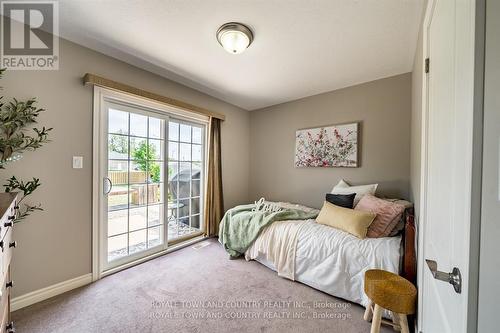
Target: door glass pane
[[197, 168], [118, 175], [117, 222], [173, 131], [173, 228], [155, 194], [137, 174], [138, 125], [138, 148], [118, 197], [173, 169], [155, 172], [195, 188], [197, 153], [156, 149], [197, 135], [185, 170], [138, 195], [155, 236], [117, 247], [155, 215], [184, 189], [185, 133], [195, 206], [155, 128], [173, 151], [195, 222], [183, 226], [117, 122], [118, 147], [118, 170], [137, 218], [184, 208], [185, 152], [137, 241]]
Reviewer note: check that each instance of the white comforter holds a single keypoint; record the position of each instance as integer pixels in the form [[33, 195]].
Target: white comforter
[[325, 258]]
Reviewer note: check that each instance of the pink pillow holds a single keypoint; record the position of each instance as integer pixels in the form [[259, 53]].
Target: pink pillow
[[388, 215]]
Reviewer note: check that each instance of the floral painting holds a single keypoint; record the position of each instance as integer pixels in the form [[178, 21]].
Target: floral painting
[[333, 146]]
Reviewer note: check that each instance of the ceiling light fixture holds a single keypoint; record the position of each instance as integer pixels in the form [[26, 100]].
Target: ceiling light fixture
[[234, 37]]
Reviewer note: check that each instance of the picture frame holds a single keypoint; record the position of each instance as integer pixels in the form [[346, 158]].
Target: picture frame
[[328, 146]]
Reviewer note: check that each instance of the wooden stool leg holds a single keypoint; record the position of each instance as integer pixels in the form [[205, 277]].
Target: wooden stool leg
[[395, 321], [377, 318], [403, 322], [368, 311]]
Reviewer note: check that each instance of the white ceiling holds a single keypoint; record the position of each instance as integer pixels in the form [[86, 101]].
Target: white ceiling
[[301, 47]]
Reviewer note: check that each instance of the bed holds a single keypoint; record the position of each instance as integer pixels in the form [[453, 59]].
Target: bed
[[331, 260]]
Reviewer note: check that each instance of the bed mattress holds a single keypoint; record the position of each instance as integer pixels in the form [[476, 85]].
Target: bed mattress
[[334, 261]]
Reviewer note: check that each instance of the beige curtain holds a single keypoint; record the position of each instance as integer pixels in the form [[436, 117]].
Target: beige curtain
[[214, 201]]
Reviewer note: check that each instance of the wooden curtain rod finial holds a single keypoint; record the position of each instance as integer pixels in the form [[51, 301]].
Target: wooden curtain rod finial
[[96, 80]]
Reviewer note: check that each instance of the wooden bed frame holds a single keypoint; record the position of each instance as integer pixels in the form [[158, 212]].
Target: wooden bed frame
[[409, 269]]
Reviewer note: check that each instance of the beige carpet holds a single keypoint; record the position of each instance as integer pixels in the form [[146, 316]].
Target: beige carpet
[[193, 290]]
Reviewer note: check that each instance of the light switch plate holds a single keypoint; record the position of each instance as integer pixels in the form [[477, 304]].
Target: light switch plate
[[77, 162]]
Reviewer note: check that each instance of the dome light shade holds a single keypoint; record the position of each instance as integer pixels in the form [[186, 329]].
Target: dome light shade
[[234, 37]]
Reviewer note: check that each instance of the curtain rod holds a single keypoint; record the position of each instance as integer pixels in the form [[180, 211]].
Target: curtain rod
[[106, 83]]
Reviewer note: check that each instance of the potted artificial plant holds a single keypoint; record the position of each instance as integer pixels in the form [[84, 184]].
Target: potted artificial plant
[[16, 137]]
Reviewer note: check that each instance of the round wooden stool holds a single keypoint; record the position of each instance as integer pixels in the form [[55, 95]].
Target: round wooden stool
[[392, 292]]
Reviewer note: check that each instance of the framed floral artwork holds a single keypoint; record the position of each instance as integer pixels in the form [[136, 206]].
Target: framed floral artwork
[[329, 146]]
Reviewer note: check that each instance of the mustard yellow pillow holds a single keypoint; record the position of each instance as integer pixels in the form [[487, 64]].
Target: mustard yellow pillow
[[355, 222]]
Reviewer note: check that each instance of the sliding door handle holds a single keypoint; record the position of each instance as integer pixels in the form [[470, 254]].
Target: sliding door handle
[[454, 278], [107, 189]]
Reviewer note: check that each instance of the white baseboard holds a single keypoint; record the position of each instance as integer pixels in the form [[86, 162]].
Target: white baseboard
[[50, 291]]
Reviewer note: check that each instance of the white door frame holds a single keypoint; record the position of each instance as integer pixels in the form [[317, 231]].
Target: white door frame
[[99, 149], [423, 162], [470, 290]]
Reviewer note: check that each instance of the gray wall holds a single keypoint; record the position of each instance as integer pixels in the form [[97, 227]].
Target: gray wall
[[489, 269], [383, 107], [55, 245]]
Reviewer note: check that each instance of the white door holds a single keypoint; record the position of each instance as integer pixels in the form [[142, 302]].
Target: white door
[[447, 165]]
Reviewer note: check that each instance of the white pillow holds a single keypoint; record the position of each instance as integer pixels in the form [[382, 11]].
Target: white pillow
[[344, 188], [342, 184]]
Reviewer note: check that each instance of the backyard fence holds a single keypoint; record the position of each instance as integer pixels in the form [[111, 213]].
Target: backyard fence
[[120, 177]]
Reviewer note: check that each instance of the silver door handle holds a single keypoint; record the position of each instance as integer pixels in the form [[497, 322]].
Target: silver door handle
[[104, 185], [454, 278]]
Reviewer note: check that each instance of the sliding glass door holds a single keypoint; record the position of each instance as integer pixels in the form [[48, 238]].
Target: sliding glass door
[[152, 183]]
